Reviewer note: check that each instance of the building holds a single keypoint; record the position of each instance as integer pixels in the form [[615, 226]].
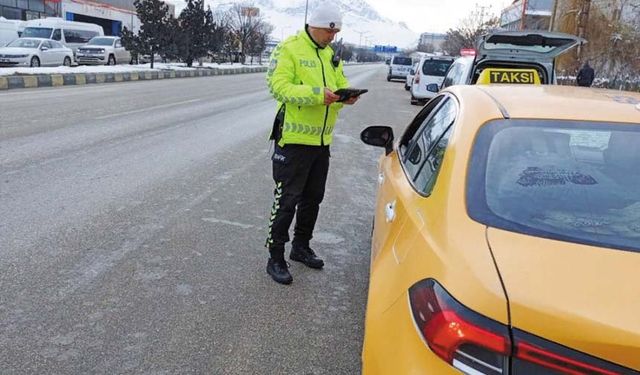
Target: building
[[112, 15], [434, 39], [527, 15]]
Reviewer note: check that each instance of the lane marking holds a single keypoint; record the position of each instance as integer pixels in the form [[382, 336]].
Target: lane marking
[[147, 109], [220, 221]]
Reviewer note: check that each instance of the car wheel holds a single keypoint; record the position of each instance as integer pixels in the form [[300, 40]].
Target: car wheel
[[35, 62], [406, 87], [388, 78], [414, 100], [111, 60], [67, 61]]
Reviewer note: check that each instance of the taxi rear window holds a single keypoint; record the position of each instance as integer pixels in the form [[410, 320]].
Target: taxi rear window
[[566, 180]]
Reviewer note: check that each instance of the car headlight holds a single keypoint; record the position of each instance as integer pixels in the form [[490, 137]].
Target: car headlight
[[102, 51]]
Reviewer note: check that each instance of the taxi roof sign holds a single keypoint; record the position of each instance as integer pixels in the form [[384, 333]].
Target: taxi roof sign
[[509, 75]]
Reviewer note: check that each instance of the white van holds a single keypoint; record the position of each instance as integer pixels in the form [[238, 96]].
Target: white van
[[8, 31], [70, 33], [399, 67], [429, 76]]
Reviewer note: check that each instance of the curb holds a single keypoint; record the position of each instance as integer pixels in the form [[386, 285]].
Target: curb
[[70, 79]]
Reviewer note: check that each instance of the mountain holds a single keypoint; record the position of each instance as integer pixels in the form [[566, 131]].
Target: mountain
[[361, 23]]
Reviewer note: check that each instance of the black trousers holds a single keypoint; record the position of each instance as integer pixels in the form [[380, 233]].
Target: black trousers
[[300, 173]]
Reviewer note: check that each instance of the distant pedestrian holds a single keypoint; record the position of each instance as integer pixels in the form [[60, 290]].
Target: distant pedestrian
[[585, 75]]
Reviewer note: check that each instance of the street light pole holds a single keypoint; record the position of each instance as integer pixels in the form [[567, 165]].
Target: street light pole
[[306, 8]]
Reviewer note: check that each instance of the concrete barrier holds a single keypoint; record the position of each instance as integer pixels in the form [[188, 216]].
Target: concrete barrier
[[70, 79]]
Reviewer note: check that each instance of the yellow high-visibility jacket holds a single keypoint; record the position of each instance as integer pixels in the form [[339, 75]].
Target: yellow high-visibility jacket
[[299, 71]]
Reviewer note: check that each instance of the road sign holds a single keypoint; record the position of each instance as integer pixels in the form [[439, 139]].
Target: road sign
[[391, 49]]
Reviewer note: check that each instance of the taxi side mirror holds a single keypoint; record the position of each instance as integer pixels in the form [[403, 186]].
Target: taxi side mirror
[[381, 136]]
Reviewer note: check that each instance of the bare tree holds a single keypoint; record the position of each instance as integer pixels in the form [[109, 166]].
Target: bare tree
[[257, 43], [427, 47], [245, 23], [612, 29], [470, 29]]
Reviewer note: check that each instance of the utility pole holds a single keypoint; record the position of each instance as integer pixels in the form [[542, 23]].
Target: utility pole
[[523, 19], [553, 15], [361, 33], [583, 20], [200, 58]]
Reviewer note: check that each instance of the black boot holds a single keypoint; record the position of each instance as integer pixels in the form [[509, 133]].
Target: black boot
[[279, 271], [305, 255]]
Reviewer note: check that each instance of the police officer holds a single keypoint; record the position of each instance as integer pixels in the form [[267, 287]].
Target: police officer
[[302, 76]]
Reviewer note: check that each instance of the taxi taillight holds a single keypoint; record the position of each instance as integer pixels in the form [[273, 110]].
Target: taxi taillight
[[476, 344], [416, 77]]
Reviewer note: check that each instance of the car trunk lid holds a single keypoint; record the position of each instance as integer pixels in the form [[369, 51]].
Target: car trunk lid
[[538, 45], [583, 297]]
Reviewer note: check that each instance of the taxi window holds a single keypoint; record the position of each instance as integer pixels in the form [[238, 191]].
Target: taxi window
[[571, 181], [425, 152], [426, 178]]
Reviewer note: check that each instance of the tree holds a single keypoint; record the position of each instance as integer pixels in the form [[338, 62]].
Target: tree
[[612, 30], [173, 39], [257, 42], [132, 43], [217, 31], [152, 38], [196, 30], [245, 23], [467, 33], [427, 47]]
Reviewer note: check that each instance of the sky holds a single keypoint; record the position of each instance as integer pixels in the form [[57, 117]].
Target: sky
[[433, 15]]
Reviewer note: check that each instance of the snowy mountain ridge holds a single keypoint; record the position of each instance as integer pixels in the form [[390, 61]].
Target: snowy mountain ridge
[[362, 24]]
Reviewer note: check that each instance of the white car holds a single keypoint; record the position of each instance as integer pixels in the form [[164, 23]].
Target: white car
[[429, 76], [106, 50], [399, 67], [35, 52], [409, 81]]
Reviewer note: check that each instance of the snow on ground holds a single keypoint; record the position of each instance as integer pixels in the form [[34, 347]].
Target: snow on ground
[[116, 68]]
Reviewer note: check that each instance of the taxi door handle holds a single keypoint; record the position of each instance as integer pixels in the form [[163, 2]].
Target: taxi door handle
[[390, 211]]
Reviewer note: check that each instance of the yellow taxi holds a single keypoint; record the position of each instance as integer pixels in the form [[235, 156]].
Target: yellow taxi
[[506, 235]]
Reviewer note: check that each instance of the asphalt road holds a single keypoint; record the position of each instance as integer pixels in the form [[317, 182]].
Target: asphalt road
[[133, 222]]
